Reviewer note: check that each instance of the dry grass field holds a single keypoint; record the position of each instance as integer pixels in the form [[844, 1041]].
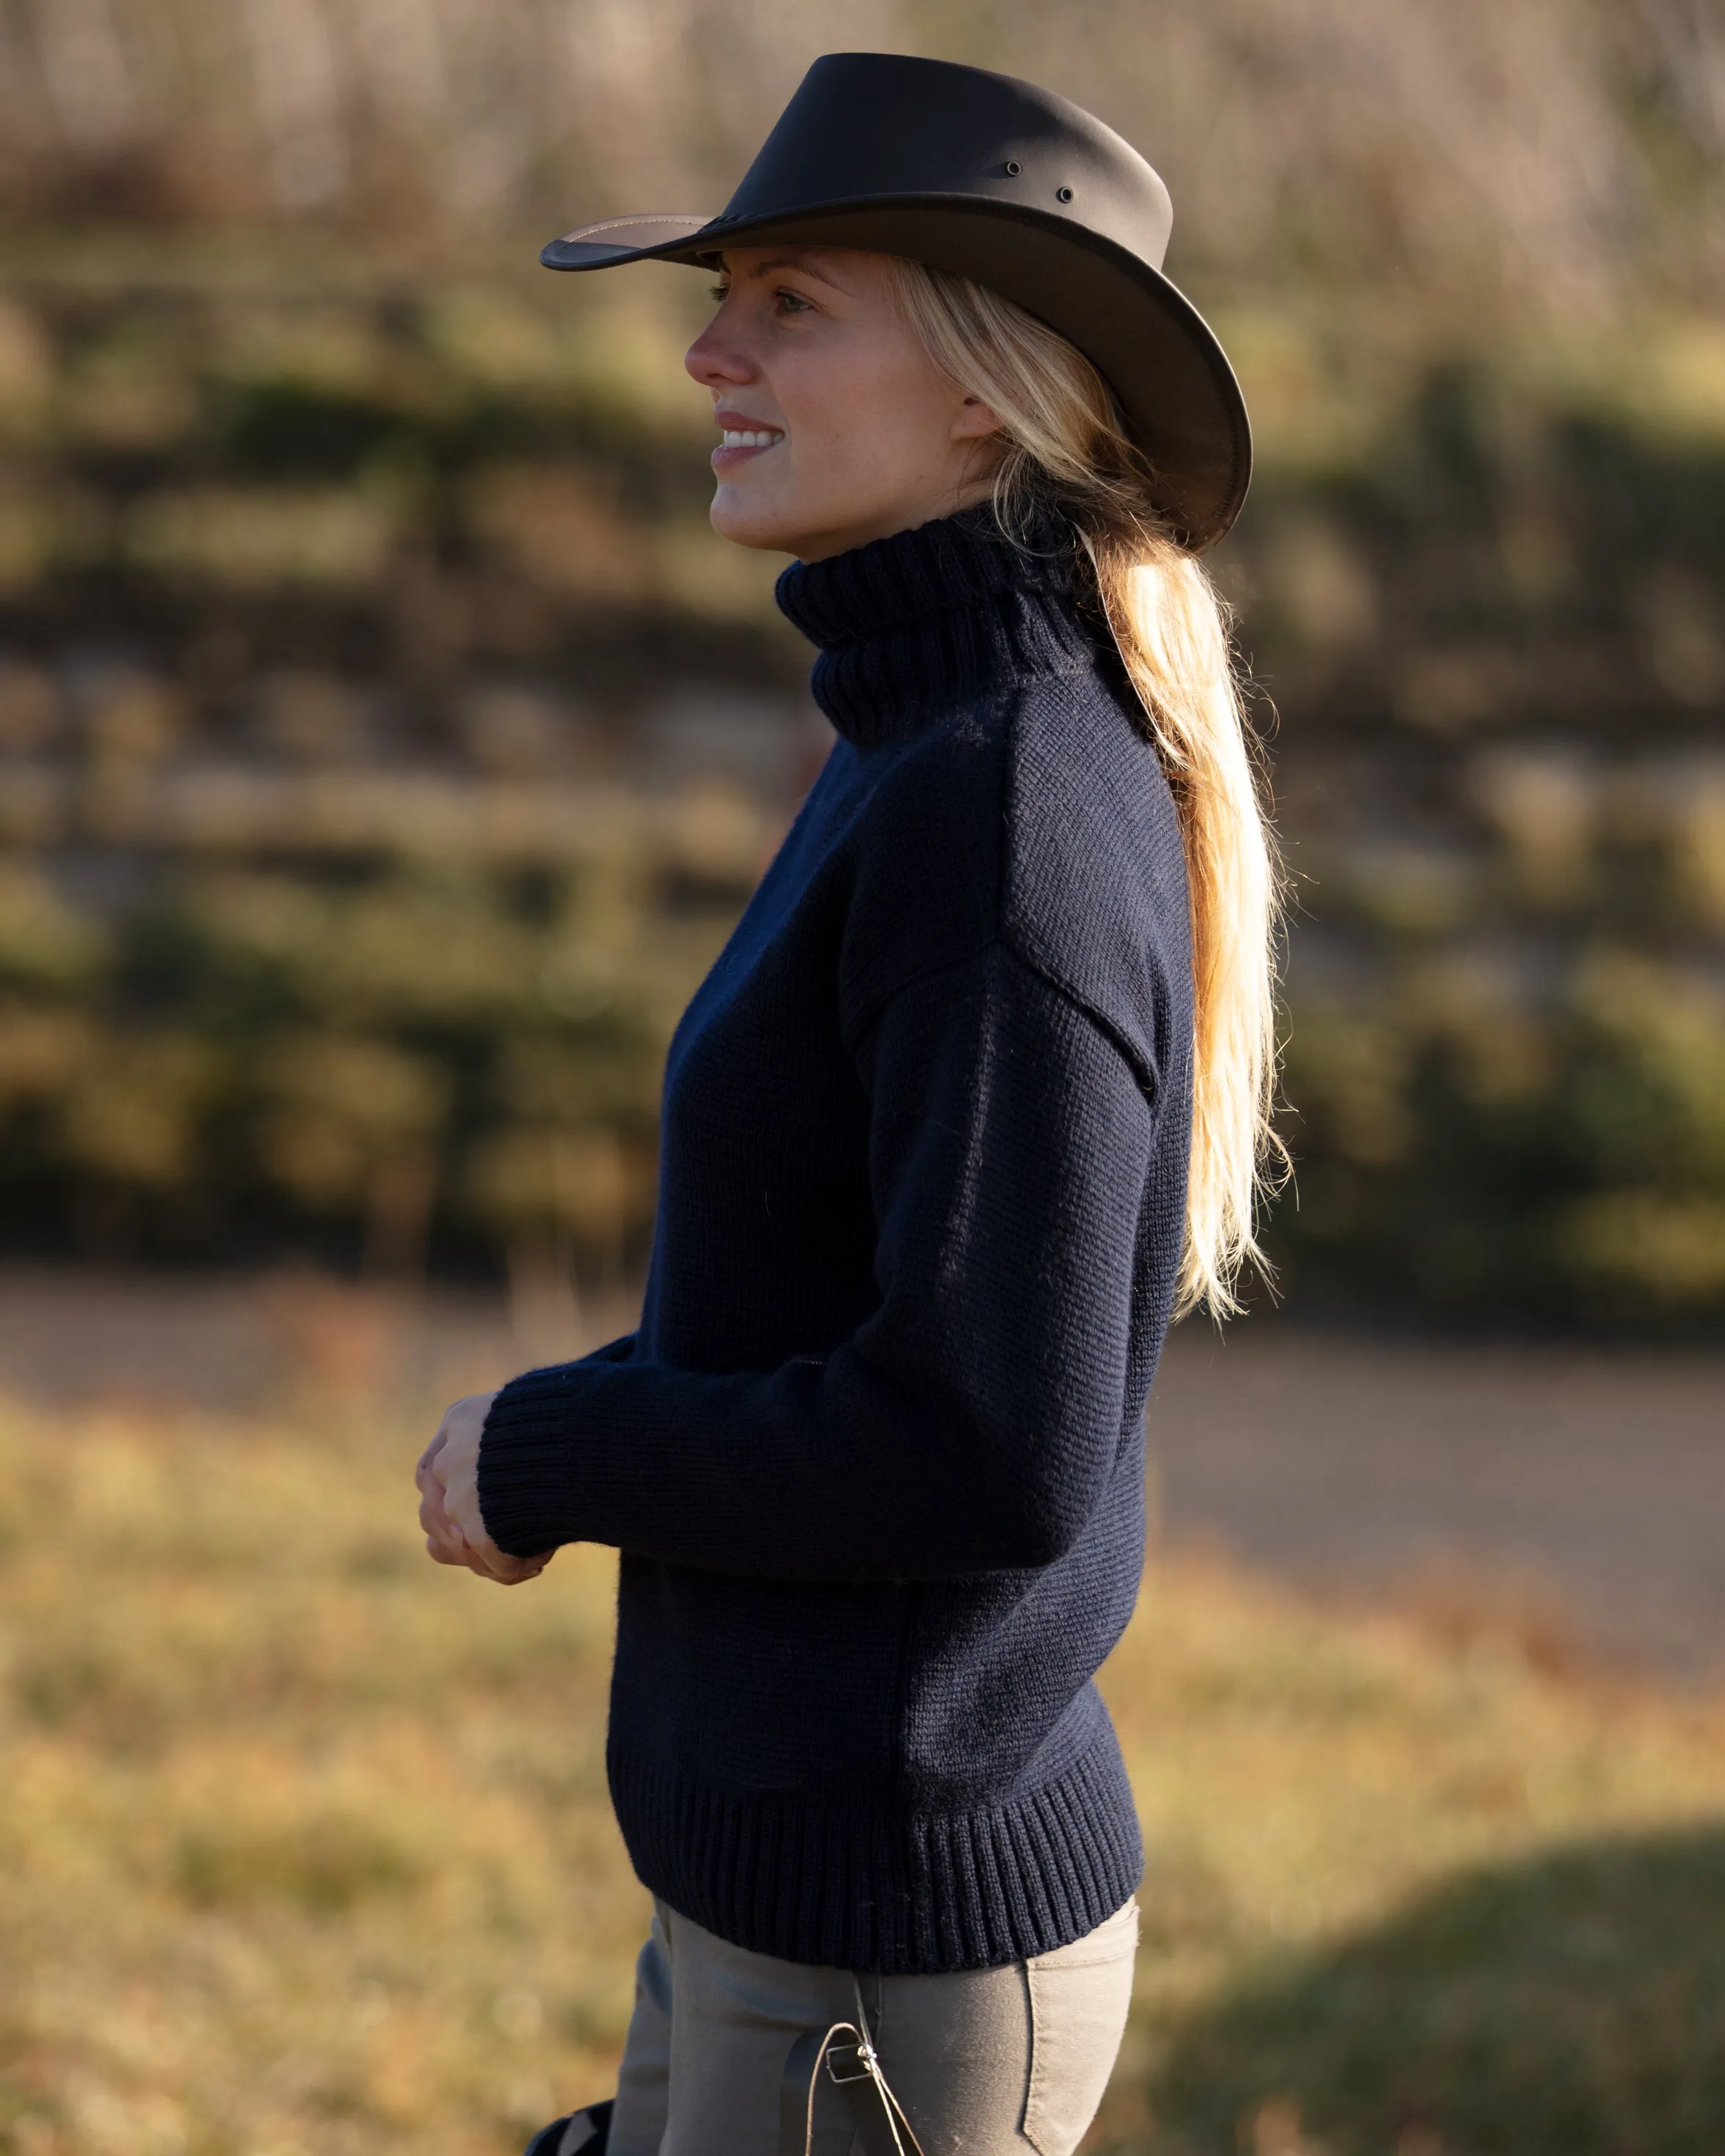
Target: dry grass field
[[305, 1848]]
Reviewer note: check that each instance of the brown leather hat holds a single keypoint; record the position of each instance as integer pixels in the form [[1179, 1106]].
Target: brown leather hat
[[996, 180]]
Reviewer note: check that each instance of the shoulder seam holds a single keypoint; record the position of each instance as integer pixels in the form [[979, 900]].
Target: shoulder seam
[[1144, 1073], [1149, 1078]]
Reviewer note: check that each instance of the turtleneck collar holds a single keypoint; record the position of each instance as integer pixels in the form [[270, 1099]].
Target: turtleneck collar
[[910, 626]]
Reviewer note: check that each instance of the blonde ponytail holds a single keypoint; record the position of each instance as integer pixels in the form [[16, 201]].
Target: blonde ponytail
[[1065, 448]]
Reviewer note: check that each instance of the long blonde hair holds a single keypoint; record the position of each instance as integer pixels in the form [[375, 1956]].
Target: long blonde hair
[[1066, 446]]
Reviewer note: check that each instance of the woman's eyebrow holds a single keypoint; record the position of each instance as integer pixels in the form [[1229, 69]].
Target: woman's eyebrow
[[795, 262]]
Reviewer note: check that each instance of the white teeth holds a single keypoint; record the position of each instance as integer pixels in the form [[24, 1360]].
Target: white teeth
[[734, 440]]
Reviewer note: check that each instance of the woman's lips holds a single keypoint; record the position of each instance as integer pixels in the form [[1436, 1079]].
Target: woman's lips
[[741, 443]]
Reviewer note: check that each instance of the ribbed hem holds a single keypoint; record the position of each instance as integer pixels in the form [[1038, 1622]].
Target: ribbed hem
[[867, 1888]]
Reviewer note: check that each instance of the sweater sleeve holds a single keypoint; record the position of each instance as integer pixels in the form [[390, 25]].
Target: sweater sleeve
[[974, 1419]]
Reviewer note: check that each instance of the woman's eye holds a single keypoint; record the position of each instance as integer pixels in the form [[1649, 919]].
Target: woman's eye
[[791, 302], [719, 294]]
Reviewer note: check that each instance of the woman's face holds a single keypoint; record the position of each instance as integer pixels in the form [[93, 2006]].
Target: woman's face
[[837, 427]]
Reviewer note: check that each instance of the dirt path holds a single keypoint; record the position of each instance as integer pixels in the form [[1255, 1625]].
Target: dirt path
[[1595, 1482]]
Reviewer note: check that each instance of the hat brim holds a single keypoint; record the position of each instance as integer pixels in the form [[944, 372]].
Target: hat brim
[[1164, 363]]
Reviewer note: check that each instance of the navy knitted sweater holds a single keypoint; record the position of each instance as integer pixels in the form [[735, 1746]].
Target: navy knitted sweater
[[873, 1458]]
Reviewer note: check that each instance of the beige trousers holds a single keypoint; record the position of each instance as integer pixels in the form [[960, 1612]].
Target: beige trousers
[[985, 2062]]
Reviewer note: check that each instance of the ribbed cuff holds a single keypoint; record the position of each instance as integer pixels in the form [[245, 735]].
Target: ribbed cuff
[[528, 1453]]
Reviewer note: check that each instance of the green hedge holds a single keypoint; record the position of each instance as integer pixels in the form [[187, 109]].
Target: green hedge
[[352, 875]]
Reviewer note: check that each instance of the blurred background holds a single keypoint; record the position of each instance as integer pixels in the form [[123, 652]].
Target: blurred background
[[387, 744], [387, 747]]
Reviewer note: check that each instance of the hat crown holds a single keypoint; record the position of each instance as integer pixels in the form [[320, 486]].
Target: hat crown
[[880, 126]]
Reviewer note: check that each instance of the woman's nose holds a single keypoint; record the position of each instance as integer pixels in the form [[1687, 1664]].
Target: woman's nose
[[718, 356]]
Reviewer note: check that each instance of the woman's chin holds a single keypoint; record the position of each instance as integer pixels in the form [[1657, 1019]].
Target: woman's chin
[[746, 522]]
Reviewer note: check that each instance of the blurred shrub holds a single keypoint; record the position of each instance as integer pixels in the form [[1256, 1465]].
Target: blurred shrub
[[131, 1111], [357, 1068], [1499, 776], [1481, 1144], [363, 654], [256, 541], [43, 942]]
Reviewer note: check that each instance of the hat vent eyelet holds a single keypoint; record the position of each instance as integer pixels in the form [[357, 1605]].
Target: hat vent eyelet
[[1013, 168], [1063, 194]]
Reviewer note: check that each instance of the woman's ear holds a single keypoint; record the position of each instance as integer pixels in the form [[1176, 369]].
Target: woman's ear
[[974, 420]]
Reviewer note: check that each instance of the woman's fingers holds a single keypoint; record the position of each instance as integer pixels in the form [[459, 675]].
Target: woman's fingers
[[443, 1538], [447, 1544], [492, 1564], [447, 1476], [510, 1570], [457, 1467], [427, 1462]]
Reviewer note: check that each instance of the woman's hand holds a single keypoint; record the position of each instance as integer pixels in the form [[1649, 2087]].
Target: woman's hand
[[447, 1478]]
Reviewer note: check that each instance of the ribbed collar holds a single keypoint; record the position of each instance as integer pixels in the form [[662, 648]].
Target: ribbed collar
[[911, 625]]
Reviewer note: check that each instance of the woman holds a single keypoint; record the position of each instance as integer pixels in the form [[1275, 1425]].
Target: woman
[[947, 1134]]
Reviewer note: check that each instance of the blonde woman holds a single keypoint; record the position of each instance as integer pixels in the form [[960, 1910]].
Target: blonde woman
[[974, 1098]]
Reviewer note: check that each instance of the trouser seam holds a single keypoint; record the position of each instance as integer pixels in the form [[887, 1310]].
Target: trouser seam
[[1032, 2083]]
